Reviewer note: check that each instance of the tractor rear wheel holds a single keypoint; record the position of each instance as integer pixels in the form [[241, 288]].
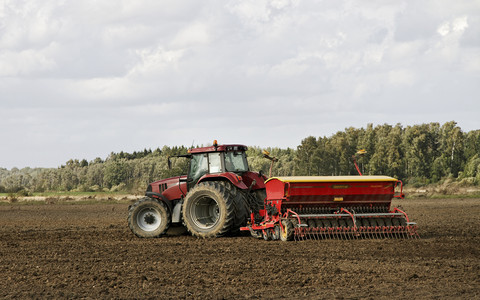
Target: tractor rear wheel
[[148, 218], [213, 209]]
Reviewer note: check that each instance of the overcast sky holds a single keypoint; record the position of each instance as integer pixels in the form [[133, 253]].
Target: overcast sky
[[80, 79]]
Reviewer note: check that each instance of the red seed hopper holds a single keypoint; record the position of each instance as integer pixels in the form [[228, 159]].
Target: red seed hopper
[[331, 207]]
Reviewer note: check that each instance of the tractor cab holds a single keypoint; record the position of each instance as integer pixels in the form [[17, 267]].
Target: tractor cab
[[216, 160]]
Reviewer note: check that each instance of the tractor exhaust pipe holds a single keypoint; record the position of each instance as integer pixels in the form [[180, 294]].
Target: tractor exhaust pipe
[[266, 154]]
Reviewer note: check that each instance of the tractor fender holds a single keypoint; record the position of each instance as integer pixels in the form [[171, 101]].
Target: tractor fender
[[162, 198], [235, 179]]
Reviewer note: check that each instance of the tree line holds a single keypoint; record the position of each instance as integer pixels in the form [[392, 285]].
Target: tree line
[[418, 155]]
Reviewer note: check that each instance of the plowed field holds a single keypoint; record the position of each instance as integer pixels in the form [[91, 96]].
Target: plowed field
[[88, 251]]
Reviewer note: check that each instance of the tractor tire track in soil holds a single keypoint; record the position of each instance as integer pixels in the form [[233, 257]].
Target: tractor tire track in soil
[[88, 251]]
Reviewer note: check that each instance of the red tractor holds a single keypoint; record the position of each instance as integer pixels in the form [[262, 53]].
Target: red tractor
[[214, 199], [219, 195]]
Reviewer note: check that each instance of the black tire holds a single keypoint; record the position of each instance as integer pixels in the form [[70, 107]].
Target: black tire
[[241, 213], [287, 233], [149, 218], [212, 209]]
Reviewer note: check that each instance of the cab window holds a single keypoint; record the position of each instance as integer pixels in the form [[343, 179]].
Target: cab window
[[235, 162], [198, 167], [214, 162]]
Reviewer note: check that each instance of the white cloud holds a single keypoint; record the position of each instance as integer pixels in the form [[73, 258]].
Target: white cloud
[[456, 26], [401, 77], [24, 63], [262, 72], [194, 35]]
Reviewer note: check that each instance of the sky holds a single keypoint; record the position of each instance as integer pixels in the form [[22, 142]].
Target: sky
[[82, 79]]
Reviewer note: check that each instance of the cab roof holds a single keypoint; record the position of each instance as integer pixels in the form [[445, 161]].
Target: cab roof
[[219, 148]]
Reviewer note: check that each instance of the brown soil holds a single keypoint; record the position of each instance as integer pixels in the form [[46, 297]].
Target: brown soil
[[87, 251]]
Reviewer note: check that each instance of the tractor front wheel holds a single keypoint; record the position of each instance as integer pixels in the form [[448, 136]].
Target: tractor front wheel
[[148, 218]]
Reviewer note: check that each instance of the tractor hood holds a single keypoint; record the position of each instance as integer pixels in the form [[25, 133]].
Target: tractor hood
[[170, 188]]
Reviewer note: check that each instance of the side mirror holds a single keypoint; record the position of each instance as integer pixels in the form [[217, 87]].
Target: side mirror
[[169, 163]]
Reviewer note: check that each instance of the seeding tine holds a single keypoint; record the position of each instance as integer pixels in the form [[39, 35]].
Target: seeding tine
[[415, 235]]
